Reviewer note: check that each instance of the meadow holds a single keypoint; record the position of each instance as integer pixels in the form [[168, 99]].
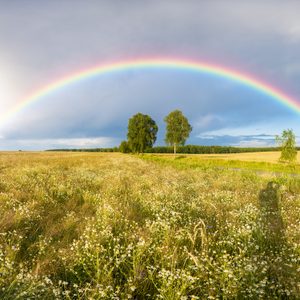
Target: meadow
[[268, 157], [117, 226], [260, 162]]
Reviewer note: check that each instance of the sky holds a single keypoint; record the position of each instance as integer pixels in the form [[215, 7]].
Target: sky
[[43, 41]]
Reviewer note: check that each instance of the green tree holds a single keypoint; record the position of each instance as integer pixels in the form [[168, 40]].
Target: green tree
[[287, 143], [178, 129], [142, 132], [124, 147]]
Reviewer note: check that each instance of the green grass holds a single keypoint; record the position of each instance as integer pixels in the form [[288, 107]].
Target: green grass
[[198, 162], [113, 226]]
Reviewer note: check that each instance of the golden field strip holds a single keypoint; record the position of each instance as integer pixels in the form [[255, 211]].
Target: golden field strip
[[116, 226], [270, 157], [261, 162]]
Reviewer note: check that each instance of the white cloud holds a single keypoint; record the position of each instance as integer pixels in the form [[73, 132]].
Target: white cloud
[[79, 142], [255, 143], [62, 143]]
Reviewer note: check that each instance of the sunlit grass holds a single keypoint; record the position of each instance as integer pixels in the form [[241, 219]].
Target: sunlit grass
[[269, 157], [261, 162], [113, 226]]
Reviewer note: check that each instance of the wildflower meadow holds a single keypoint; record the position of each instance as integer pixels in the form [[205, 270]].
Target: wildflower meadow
[[117, 226]]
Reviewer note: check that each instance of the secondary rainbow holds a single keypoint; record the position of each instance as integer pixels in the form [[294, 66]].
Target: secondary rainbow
[[161, 63]]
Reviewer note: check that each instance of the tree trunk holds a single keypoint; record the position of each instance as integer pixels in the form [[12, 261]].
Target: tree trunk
[[174, 149]]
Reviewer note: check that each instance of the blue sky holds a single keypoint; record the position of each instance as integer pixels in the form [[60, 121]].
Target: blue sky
[[44, 40]]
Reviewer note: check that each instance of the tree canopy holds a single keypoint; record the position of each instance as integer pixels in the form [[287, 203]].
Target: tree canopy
[[142, 131], [178, 129], [287, 142], [124, 147]]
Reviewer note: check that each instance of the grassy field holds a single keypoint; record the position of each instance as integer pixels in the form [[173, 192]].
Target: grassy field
[[262, 162], [113, 226], [269, 157]]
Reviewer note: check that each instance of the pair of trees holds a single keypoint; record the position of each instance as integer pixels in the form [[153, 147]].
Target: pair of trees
[[142, 132]]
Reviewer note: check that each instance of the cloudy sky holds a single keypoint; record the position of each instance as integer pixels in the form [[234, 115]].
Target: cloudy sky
[[42, 41]]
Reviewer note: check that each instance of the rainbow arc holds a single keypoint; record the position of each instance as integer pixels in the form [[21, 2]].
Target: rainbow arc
[[176, 64]]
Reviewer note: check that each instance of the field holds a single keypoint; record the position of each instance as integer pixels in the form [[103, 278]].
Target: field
[[116, 226], [269, 157], [260, 162]]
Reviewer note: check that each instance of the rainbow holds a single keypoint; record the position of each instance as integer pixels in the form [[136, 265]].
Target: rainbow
[[176, 64]]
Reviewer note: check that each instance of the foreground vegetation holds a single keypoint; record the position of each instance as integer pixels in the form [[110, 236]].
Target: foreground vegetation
[[113, 226]]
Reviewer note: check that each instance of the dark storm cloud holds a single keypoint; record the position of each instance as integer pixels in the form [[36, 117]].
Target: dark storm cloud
[[40, 41]]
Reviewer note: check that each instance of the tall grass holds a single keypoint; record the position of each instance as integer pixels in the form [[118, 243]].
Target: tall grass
[[112, 226]]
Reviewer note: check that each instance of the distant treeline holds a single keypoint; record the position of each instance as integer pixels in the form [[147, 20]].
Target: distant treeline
[[195, 149], [187, 149]]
